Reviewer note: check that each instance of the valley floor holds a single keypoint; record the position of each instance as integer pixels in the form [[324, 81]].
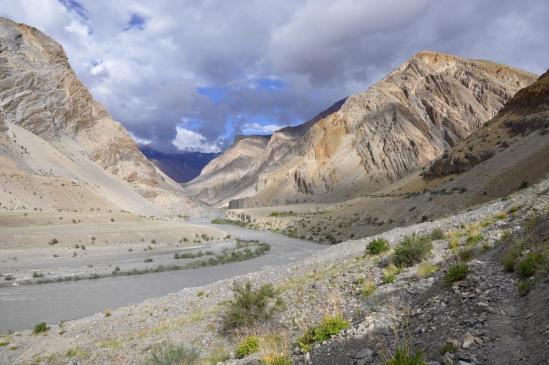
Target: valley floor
[[482, 317], [68, 282]]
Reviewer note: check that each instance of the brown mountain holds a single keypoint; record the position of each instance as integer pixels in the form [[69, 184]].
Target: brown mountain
[[425, 106], [54, 133], [508, 153]]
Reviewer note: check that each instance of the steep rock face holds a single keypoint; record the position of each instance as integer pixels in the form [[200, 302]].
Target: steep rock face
[[230, 172], [404, 121], [40, 93], [526, 112]]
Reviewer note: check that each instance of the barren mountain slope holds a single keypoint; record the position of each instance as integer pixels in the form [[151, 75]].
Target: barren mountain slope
[[526, 112], [508, 153], [52, 127], [229, 173], [359, 145]]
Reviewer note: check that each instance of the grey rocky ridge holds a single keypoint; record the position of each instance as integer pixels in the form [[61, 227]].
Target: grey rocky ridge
[[403, 122]]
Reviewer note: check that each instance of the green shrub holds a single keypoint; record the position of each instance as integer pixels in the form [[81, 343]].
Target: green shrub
[[390, 273], [171, 354], [426, 269], [467, 253], [456, 273], [509, 259], [276, 360], [328, 327], [250, 305], [449, 347], [524, 288], [369, 289], [228, 221], [405, 356], [377, 246], [41, 327], [474, 239], [412, 250], [528, 264], [437, 234], [249, 345]]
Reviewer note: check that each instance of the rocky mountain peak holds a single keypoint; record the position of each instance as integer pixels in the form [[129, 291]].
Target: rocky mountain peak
[[41, 95], [428, 104]]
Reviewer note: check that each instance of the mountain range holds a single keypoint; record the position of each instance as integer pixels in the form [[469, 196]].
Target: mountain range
[[366, 141]]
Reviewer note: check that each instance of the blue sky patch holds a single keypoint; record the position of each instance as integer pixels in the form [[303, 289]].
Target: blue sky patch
[[270, 84], [75, 7], [215, 94], [136, 22]]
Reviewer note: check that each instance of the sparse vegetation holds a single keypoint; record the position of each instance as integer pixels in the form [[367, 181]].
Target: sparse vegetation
[[405, 356], [377, 246], [290, 213], [276, 360], [53, 241], [426, 269], [250, 305], [524, 288], [412, 250], [191, 255], [528, 253], [249, 345], [455, 273], [529, 264], [171, 354], [328, 327], [40, 328], [437, 234], [368, 289], [449, 347], [474, 239], [467, 253], [228, 221], [390, 273]]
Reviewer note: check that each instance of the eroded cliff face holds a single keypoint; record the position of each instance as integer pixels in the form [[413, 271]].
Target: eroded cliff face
[[40, 93], [368, 140], [526, 112]]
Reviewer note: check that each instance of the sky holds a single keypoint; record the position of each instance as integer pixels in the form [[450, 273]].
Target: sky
[[190, 75]]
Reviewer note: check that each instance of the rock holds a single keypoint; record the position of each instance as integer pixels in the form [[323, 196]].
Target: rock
[[454, 342], [365, 354], [468, 340], [448, 359]]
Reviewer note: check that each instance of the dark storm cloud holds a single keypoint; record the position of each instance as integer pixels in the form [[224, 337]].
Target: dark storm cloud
[[196, 72]]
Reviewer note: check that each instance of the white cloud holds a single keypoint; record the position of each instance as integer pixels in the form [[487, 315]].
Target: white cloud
[[320, 50], [140, 141], [256, 128], [187, 140]]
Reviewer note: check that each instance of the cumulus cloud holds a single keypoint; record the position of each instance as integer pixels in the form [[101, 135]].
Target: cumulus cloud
[[187, 140], [207, 70]]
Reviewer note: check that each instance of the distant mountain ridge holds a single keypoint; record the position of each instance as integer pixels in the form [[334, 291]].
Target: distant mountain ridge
[[360, 144], [181, 166]]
